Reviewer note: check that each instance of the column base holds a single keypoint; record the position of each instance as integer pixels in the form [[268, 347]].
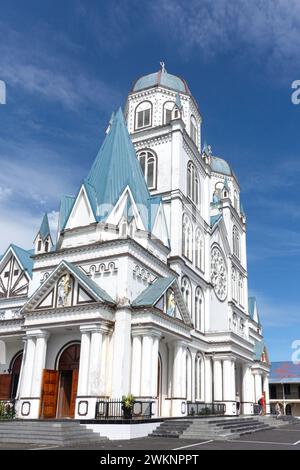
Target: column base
[[247, 408], [179, 407], [231, 409], [85, 408], [28, 408]]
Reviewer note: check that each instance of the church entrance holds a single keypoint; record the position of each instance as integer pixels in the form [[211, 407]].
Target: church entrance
[[59, 389], [9, 382]]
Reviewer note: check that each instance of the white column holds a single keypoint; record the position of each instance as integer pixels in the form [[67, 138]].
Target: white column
[[247, 390], [233, 380], [258, 386], [136, 362], [267, 392], [183, 373], [28, 368], [177, 364], [94, 377], [218, 380], [146, 366], [193, 378], [39, 363], [84, 362], [228, 386], [208, 380], [21, 378], [154, 365], [121, 353]]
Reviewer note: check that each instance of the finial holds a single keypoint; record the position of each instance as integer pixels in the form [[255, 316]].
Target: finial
[[163, 66]]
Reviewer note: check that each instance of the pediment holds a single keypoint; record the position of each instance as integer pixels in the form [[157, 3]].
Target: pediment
[[14, 280]]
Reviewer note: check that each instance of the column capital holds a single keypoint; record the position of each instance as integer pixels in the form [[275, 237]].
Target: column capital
[[96, 327], [37, 334]]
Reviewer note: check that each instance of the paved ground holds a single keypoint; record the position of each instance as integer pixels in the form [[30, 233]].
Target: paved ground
[[285, 438]]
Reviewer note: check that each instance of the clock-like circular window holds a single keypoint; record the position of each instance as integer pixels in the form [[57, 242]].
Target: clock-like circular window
[[218, 273]]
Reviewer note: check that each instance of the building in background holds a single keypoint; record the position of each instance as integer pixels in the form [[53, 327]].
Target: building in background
[[144, 288], [285, 387]]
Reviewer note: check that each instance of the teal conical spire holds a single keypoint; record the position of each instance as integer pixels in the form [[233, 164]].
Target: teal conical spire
[[116, 167], [44, 230]]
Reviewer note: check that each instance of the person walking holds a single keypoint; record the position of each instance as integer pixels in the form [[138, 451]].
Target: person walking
[[278, 410], [262, 405], [238, 403]]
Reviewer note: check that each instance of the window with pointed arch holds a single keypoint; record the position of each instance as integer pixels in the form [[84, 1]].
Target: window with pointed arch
[[199, 309], [193, 186], [187, 237], [143, 115], [233, 284], [167, 112], [186, 290], [189, 375], [194, 132], [148, 162], [236, 241], [199, 249], [199, 376]]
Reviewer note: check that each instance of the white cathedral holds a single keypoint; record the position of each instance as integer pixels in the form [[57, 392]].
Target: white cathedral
[[144, 289]]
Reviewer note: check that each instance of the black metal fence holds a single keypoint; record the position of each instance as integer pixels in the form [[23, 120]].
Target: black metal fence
[[202, 409], [114, 409], [7, 409]]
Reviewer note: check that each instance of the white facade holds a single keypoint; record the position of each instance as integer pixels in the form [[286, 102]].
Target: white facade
[[143, 293]]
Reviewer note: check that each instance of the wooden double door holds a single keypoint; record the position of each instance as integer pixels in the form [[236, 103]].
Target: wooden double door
[[59, 387]]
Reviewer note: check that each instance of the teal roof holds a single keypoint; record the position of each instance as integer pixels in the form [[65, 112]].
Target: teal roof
[[219, 165], [153, 293], [161, 78], [44, 228], [66, 205], [115, 167], [214, 219], [97, 290], [24, 257]]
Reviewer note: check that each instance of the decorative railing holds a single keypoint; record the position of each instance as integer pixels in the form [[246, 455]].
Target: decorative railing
[[113, 409], [7, 409], [204, 409]]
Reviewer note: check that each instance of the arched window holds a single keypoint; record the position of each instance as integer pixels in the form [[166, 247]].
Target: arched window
[[168, 108], [148, 163], [39, 245], [194, 132], [143, 115], [236, 241], [199, 377], [199, 250], [188, 375], [199, 309], [186, 290], [46, 246], [193, 183], [186, 237], [233, 284]]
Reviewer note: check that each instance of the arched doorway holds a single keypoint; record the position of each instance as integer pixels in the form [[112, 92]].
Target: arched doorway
[[15, 369], [68, 367], [59, 388]]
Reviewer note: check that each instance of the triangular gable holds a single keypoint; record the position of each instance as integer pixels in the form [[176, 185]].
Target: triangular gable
[[82, 211], [66, 286], [15, 272], [158, 223], [155, 295], [126, 202], [221, 228]]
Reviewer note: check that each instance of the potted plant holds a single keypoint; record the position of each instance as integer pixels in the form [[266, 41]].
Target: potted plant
[[127, 406]]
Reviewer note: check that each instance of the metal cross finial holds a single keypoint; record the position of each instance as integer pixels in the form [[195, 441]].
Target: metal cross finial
[[163, 67]]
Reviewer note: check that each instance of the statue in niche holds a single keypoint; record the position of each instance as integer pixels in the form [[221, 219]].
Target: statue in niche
[[64, 289], [171, 303]]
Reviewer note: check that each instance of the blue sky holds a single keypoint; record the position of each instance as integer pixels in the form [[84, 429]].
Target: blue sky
[[68, 64]]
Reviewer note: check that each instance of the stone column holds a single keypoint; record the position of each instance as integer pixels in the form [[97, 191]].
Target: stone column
[[228, 379], [28, 367], [208, 379], [267, 392], [154, 365], [121, 352], [193, 383], [258, 386], [39, 363], [247, 391], [177, 370], [136, 362], [218, 395], [84, 361], [179, 380], [95, 356], [146, 388]]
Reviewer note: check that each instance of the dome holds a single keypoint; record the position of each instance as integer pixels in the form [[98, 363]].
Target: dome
[[220, 166], [161, 78]]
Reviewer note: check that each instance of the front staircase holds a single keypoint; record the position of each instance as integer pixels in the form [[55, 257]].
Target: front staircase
[[52, 433], [210, 428]]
